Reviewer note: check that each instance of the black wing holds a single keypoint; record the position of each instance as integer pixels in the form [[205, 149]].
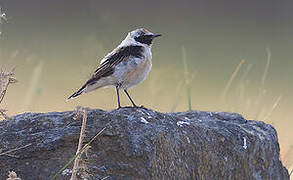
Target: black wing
[[108, 66]]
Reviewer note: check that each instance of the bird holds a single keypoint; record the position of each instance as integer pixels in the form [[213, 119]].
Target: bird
[[126, 66]]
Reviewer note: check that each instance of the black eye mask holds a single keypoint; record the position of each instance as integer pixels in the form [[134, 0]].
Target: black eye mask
[[145, 39]]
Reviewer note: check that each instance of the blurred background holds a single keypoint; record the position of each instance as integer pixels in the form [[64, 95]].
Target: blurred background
[[237, 56]]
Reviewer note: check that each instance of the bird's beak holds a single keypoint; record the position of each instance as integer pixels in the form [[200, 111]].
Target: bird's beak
[[156, 35]]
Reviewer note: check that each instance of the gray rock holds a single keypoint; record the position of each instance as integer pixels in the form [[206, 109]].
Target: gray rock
[[143, 144]]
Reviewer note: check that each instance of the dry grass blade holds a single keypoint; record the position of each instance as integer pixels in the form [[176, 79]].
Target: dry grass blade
[[227, 87], [35, 78], [266, 67], [12, 150], [7, 153], [245, 74], [277, 102], [242, 87], [81, 138], [262, 90], [286, 158], [258, 103], [80, 152]]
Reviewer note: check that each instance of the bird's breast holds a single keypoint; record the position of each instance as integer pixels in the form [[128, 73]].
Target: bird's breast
[[134, 70]]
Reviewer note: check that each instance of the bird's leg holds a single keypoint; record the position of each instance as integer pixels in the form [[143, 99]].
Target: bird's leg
[[134, 105], [117, 90]]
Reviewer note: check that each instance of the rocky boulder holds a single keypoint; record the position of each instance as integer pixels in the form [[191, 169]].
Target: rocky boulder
[[140, 143]]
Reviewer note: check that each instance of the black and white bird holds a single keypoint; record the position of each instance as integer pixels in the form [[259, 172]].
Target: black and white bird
[[124, 67]]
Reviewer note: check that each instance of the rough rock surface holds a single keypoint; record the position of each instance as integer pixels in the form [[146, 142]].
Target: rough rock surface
[[143, 144]]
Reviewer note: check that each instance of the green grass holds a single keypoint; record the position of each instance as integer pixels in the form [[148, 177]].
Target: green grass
[[186, 83], [186, 78]]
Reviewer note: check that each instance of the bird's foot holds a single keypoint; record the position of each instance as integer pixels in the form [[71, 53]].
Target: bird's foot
[[134, 106], [138, 106]]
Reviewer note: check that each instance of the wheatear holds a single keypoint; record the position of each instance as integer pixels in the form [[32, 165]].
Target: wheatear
[[124, 67]]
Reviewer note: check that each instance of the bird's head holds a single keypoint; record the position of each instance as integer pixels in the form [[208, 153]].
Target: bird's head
[[141, 36]]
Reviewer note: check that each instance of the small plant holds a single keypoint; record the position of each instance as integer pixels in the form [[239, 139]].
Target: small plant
[[6, 78], [76, 158], [12, 176]]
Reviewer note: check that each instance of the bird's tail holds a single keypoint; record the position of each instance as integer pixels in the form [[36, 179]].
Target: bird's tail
[[77, 93]]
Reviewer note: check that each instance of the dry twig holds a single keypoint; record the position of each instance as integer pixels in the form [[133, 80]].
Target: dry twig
[[78, 160], [7, 153]]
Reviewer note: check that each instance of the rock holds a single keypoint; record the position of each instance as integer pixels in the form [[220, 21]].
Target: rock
[[140, 143]]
